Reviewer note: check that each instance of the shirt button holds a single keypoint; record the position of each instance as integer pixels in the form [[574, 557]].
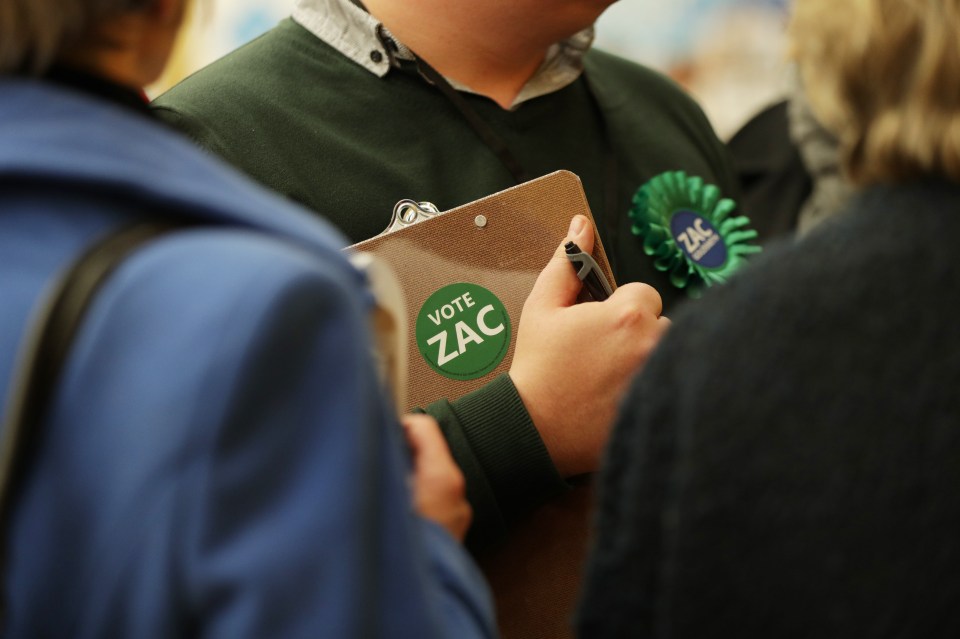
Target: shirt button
[[376, 56]]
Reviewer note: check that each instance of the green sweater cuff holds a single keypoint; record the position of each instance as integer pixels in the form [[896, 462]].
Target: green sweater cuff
[[516, 473]]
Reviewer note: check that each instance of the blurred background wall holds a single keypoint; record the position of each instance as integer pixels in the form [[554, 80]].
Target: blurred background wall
[[728, 53]]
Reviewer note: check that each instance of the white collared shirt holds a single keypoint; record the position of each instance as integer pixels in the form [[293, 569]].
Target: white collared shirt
[[353, 32]]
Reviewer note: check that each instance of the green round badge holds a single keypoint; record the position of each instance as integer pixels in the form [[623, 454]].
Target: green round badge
[[463, 331]]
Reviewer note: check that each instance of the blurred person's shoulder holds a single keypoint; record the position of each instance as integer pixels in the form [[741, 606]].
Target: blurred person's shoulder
[[845, 268], [268, 89], [263, 71]]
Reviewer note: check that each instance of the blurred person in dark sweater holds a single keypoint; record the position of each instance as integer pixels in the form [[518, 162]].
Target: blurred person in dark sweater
[[215, 456], [786, 464]]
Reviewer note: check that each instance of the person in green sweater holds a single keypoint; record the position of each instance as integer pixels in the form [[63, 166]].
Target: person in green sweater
[[349, 108]]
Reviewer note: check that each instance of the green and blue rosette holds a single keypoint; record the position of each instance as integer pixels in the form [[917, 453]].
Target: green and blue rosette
[[687, 227]]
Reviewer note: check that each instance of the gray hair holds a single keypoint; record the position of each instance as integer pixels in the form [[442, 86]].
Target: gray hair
[[882, 76], [34, 33]]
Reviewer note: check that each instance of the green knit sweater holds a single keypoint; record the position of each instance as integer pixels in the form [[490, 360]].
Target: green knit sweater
[[298, 116]]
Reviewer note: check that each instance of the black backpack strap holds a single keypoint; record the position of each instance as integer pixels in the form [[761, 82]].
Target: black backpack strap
[[44, 352]]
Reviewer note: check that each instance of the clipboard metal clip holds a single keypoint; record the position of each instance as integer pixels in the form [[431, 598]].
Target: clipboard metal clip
[[408, 212]]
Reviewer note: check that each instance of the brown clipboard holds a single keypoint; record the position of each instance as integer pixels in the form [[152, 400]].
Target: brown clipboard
[[500, 243]]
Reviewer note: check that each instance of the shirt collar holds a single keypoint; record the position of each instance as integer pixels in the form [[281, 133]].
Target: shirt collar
[[354, 33]]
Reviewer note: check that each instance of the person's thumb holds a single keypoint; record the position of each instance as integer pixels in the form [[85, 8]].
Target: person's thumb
[[558, 284], [581, 232]]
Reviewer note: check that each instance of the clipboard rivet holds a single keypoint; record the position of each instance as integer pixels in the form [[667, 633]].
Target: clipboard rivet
[[480, 221]]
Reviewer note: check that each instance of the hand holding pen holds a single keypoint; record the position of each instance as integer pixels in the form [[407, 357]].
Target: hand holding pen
[[573, 362]]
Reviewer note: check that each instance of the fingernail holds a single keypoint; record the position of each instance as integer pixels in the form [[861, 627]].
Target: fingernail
[[577, 224]]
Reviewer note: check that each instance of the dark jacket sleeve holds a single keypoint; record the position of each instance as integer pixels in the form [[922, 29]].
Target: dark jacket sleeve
[[506, 463]]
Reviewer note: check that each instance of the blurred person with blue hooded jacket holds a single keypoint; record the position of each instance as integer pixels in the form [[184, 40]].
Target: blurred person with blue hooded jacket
[[216, 458]]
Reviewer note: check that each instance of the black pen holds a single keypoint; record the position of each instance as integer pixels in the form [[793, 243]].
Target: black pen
[[588, 271]]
